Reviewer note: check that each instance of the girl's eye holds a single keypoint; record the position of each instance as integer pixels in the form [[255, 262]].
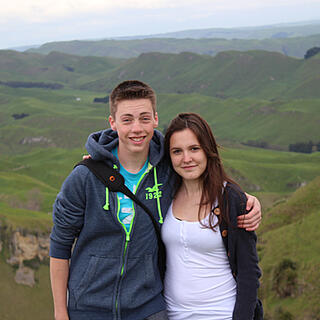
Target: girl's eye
[[176, 151]]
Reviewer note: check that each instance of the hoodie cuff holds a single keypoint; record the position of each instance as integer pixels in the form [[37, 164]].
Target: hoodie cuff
[[59, 251]]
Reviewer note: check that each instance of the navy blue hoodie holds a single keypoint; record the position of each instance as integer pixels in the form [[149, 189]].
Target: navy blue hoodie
[[113, 272]]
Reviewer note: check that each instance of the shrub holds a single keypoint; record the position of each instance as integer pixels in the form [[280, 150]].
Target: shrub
[[303, 147], [312, 52], [285, 278], [281, 314]]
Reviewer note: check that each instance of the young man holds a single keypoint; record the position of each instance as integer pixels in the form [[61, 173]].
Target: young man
[[113, 271]]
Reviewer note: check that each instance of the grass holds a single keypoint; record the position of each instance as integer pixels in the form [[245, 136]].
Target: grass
[[290, 231], [22, 302]]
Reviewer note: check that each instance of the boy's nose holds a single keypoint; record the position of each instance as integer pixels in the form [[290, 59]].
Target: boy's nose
[[136, 126]]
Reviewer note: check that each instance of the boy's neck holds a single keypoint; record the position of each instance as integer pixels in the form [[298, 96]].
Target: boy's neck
[[132, 162]]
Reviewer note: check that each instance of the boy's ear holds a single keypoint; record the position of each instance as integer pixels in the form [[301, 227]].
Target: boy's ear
[[112, 123], [156, 120]]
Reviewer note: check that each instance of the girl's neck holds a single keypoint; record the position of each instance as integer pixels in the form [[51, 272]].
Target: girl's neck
[[191, 188], [186, 204]]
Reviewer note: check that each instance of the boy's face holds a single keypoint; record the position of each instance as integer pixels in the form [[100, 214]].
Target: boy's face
[[134, 121]]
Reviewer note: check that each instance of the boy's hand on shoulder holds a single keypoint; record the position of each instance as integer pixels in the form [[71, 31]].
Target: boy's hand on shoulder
[[252, 219]]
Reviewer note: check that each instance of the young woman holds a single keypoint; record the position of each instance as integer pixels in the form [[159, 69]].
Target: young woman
[[212, 266]]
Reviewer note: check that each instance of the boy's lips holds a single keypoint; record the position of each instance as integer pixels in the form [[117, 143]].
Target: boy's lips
[[137, 139]]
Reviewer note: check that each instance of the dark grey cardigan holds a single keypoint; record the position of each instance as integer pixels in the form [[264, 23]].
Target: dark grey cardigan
[[241, 250]]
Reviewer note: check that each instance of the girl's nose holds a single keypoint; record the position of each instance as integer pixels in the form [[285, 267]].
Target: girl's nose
[[186, 157]]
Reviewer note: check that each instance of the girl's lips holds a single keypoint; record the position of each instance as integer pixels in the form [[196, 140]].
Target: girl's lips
[[188, 167]]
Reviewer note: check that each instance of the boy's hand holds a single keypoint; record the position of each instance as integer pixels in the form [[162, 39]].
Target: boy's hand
[[86, 156], [251, 220]]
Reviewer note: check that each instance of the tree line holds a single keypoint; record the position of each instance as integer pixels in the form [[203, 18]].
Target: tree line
[[28, 84], [304, 147]]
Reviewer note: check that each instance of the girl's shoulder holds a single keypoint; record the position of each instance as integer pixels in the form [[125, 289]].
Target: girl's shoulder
[[236, 198]]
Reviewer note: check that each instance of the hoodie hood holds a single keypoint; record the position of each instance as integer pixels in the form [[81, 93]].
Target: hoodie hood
[[100, 144]]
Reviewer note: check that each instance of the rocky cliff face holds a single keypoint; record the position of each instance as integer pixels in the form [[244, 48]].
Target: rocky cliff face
[[25, 251]]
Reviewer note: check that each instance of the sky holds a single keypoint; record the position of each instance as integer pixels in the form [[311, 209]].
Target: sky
[[34, 22]]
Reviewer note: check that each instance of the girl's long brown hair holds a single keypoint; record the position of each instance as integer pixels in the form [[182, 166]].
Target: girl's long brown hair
[[214, 176]]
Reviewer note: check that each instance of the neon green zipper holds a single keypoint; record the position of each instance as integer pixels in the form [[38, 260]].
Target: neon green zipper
[[130, 228]]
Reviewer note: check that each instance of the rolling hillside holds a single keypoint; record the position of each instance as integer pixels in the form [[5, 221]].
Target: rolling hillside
[[54, 67], [261, 74], [289, 252], [64, 118], [253, 96]]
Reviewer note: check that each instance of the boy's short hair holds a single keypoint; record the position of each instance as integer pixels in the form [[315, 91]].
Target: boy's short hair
[[131, 90]]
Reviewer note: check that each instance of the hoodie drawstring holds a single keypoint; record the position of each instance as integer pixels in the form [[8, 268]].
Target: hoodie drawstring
[[106, 206], [158, 195]]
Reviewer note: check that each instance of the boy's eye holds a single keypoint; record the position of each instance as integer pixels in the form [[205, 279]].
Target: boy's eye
[[146, 119]]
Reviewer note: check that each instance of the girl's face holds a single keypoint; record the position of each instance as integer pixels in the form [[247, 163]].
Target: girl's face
[[187, 156]]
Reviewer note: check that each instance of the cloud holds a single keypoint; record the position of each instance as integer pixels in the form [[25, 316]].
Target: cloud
[[38, 21], [44, 10]]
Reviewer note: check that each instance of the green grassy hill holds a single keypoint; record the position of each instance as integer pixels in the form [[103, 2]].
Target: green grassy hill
[[295, 47], [261, 74], [289, 251], [54, 67], [64, 118]]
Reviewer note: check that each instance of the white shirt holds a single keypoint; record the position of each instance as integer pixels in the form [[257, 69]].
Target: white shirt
[[198, 281]]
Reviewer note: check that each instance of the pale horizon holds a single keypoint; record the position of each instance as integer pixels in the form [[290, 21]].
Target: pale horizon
[[28, 22]]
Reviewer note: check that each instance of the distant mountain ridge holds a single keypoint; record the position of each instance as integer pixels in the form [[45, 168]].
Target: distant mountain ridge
[[283, 30], [295, 47]]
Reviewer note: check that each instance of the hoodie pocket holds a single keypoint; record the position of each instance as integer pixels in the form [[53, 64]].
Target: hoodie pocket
[[95, 288], [142, 281]]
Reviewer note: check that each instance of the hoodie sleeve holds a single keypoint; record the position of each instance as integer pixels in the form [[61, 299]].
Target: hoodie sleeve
[[68, 214]]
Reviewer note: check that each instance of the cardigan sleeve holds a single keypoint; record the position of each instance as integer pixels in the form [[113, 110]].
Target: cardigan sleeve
[[244, 259]]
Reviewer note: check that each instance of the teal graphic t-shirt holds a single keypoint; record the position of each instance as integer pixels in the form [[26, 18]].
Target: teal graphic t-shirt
[[130, 180]]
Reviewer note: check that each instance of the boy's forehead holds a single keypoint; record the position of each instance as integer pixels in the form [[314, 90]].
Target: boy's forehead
[[134, 107]]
